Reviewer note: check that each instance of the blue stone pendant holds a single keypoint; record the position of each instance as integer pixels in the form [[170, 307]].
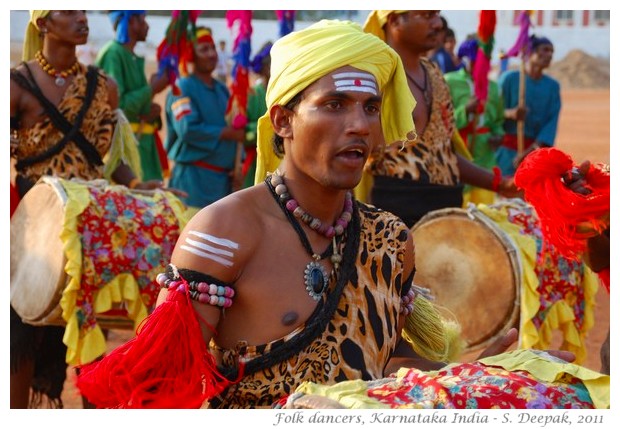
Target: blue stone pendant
[[316, 279]]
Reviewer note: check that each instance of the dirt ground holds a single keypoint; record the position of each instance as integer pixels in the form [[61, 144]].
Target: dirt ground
[[584, 134]]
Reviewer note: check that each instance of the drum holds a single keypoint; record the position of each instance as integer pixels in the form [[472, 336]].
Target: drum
[[114, 240], [558, 294], [473, 270]]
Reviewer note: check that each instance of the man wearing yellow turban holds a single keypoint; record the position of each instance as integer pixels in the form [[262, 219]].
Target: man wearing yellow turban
[[315, 285], [428, 175]]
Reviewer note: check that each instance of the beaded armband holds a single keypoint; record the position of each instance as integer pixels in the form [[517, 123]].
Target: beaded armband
[[201, 287]]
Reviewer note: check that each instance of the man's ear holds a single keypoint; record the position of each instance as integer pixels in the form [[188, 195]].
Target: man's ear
[[393, 19], [42, 25], [281, 119]]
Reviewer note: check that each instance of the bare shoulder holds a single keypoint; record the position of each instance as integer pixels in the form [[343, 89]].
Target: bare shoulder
[[113, 95], [221, 238]]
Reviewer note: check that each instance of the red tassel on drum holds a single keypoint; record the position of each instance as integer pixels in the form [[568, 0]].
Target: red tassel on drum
[[166, 365], [567, 218]]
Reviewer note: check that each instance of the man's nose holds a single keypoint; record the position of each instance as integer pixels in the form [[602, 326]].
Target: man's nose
[[358, 121]]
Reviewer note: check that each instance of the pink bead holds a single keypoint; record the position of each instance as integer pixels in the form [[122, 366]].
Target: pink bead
[[161, 279], [203, 287], [343, 223], [212, 289], [204, 298], [174, 284], [213, 300], [323, 228], [330, 232], [181, 288], [292, 204], [227, 302], [230, 292]]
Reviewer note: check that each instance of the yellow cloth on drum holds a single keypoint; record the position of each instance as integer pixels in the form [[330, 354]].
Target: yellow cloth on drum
[[376, 20], [550, 371], [85, 348], [327, 46], [124, 147], [32, 38], [352, 394], [559, 315]]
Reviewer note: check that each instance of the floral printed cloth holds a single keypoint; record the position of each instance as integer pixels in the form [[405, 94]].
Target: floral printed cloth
[[116, 242], [520, 379], [474, 385]]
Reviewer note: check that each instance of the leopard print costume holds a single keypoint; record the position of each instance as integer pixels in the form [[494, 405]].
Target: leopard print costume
[[430, 158], [359, 339], [97, 127]]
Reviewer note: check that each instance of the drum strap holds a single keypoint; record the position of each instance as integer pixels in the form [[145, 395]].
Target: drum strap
[[71, 130]]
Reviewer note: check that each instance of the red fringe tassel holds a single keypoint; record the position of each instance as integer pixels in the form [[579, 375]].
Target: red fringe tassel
[[167, 364], [567, 218]]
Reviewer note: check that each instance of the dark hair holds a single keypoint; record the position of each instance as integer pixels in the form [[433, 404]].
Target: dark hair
[[450, 33], [444, 23], [278, 141]]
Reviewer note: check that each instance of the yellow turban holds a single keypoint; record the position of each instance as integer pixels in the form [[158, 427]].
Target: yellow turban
[[32, 39], [302, 57], [376, 20]]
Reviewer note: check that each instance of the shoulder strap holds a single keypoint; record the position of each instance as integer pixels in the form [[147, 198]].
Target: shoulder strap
[[71, 131]]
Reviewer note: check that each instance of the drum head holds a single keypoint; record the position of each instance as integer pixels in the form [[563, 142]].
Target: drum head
[[37, 256], [469, 265]]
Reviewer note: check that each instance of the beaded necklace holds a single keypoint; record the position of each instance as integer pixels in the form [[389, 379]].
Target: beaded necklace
[[316, 278], [61, 76]]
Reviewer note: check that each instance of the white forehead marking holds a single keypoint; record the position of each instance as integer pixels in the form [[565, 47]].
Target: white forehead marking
[[217, 249], [355, 81]]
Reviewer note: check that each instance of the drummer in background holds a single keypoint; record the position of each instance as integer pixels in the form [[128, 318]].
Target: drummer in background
[[428, 175], [53, 94]]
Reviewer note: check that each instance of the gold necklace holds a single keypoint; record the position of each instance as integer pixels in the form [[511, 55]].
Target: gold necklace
[[61, 76]]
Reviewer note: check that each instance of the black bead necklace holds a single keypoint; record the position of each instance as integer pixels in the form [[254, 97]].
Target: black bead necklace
[[316, 277], [423, 88]]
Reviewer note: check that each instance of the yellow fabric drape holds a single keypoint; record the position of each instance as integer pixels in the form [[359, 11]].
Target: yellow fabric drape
[[32, 38], [376, 20], [124, 148], [327, 46], [546, 370]]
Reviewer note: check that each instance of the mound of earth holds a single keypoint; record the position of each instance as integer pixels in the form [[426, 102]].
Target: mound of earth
[[580, 70]]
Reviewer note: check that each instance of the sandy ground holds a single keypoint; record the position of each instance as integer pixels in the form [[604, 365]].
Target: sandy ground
[[583, 133]]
